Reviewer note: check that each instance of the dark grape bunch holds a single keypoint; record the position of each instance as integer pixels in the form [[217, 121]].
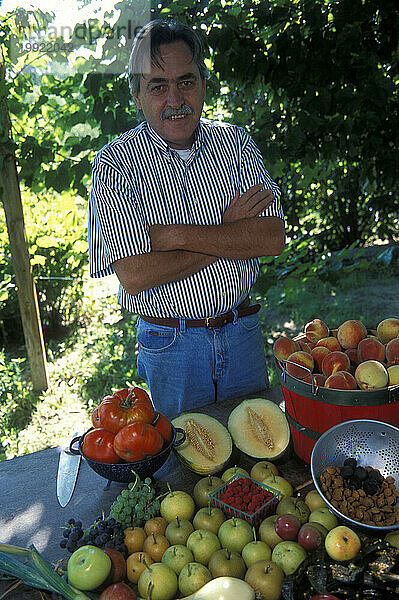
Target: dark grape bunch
[[357, 477], [104, 533], [136, 504]]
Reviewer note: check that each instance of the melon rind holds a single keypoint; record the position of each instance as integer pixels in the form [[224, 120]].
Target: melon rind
[[277, 427], [191, 457]]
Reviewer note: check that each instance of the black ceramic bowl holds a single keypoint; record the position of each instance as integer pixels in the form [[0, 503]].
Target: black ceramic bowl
[[125, 472]]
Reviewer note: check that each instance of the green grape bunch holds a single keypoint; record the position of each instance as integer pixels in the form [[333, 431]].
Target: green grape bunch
[[136, 504]]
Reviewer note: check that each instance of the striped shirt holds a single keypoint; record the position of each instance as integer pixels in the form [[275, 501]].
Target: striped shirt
[[138, 180]]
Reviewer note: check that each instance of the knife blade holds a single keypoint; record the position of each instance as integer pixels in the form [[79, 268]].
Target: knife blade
[[67, 475]]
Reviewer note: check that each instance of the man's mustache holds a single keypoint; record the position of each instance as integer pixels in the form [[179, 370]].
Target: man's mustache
[[183, 110]]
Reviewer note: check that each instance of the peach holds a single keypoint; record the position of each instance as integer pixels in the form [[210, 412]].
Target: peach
[[305, 346], [283, 347], [330, 342], [334, 332], [393, 375], [316, 378], [392, 351], [318, 353], [371, 375], [353, 356], [388, 329], [342, 380], [370, 348], [335, 361], [350, 333], [316, 330], [301, 359]]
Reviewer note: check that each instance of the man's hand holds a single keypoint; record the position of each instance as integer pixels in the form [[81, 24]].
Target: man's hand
[[250, 204]]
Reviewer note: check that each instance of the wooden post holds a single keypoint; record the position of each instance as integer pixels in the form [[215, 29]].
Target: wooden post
[[27, 297]]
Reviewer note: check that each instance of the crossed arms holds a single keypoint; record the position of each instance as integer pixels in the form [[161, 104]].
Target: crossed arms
[[178, 251]]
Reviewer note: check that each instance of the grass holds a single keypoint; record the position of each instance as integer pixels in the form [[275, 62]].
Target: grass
[[99, 355]]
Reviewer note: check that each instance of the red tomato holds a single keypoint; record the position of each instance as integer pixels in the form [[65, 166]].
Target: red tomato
[[137, 441], [98, 444], [126, 406], [95, 418], [162, 424]]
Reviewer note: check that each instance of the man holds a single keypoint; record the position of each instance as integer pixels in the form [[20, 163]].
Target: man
[[180, 209]]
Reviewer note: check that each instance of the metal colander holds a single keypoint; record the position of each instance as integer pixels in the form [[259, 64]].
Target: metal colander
[[371, 443]]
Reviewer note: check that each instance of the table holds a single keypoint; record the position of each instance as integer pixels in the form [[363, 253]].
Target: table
[[30, 513]]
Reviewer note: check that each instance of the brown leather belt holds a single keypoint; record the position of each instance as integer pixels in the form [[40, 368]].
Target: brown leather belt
[[208, 322]]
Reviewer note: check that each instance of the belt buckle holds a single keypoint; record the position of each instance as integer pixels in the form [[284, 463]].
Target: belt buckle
[[207, 322]]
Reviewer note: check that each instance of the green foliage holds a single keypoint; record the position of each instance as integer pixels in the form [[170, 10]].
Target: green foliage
[[56, 229]]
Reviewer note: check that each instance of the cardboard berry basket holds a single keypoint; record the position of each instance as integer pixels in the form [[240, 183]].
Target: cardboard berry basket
[[312, 410], [254, 518]]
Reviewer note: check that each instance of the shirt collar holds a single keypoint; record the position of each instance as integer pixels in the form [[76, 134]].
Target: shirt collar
[[164, 146]]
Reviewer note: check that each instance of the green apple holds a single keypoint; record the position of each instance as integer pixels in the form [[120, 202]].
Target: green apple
[[224, 563], [161, 580], [342, 543], [267, 532], [234, 534], [392, 537], [288, 555], [279, 483], [325, 517], [177, 504], [203, 543], [293, 506], [88, 567], [192, 577], [176, 557], [313, 500], [254, 551], [231, 471], [267, 578], [177, 531], [210, 518], [203, 487], [263, 469], [323, 530]]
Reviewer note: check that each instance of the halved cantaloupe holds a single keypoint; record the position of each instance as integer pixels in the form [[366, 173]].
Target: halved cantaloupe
[[259, 428], [208, 444]]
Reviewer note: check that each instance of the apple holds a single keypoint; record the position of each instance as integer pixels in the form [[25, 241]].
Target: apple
[[192, 577], [325, 517], [266, 577], [267, 532], [177, 531], [161, 580], [210, 518], [134, 539], [309, 537], [156, 544], [224, 563], [254, 551], [263, 469], [231, 471], [234, 534], [287, 526], [135, 565], [203, 543], [177, 504], [313, 500], [118, 591], [288, 555], [118, 566], [392, 537], [155, 525], [177, 556], [203, 487], [342, 543], [323, 530], [279, 483], [88, 567], [293, 506]]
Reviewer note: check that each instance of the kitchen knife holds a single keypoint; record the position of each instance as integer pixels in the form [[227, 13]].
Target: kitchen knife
[[68, 470]]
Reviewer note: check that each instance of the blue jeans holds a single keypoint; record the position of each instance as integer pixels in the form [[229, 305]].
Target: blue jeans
[[186, 368]]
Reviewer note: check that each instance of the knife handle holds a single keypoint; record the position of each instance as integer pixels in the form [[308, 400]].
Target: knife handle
[[73, 450]]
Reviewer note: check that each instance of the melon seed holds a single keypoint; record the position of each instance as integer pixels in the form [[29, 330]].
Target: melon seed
[[200, 439], [260, 428]]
